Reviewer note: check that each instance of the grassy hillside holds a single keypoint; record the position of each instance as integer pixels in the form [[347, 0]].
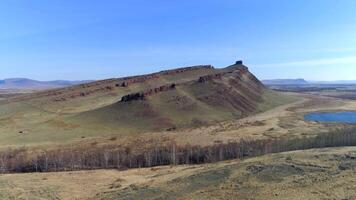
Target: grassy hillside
[[201, 96], [313, 174], [228, 94]]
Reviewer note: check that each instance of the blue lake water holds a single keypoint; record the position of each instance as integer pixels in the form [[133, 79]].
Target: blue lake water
[[341, 117]]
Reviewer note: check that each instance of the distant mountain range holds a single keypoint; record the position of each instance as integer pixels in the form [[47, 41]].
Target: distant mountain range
[[285, 82], [30, 84], [340, 82], [24, 83], [301, 81]]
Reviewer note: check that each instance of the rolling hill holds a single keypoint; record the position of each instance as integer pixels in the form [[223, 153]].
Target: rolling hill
[[164, 101], [221, 94]]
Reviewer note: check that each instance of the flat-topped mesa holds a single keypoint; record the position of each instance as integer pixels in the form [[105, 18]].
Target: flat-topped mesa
[[143, 95]]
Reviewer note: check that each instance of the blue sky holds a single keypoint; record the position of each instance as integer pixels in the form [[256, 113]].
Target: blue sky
[[78, 39]]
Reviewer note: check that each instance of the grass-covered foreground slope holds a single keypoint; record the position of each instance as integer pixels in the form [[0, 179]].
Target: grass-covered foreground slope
[[168, 100], [313, 174]]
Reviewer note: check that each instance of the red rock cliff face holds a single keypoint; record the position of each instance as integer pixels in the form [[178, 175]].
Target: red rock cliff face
[[143, 95], [210, 77], [235, 87], [236, 81], [234, 71], [124, 82]]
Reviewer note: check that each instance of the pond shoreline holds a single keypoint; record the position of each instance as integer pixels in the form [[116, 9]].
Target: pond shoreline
[[348, 117]]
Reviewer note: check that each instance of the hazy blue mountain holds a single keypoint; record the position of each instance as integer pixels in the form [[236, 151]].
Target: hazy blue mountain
[[340, 82], [24, 83], [299, 81]]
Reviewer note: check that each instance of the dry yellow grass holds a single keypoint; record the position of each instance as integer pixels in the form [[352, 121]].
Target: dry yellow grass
[[282, 121], [313, 174]]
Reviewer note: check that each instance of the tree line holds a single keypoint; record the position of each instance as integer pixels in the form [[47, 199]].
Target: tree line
[[118, 157]]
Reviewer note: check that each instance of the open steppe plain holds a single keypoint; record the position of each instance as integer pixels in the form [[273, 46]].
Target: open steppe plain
[[311, 174]]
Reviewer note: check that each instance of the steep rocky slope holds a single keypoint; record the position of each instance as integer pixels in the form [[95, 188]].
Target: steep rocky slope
[[221, 94]]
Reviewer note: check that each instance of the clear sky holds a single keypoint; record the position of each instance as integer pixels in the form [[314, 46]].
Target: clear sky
[[82, 39]]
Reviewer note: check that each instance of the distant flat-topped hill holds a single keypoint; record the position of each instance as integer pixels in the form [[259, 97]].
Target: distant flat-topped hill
[[24, 83], [285, 82]]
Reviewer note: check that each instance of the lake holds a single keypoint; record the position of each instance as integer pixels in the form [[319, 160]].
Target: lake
[[342, 117]]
